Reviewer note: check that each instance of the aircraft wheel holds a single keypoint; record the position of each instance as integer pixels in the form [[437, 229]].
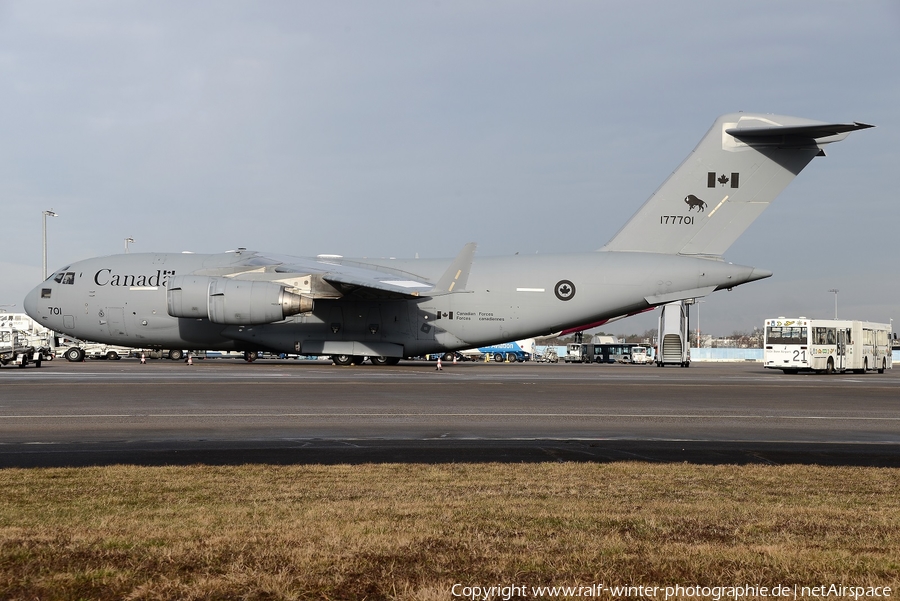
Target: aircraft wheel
[[176, 354], [392, 360], [74, 354], [342, 359], [378, 360]]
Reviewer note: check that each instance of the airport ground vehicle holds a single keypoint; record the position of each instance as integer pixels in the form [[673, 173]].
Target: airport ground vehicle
[[173, 354], [590, 352], [826, 345], [79, 350], [674, 343], [640, 356], [15, 349], [548, 356], [574, 352], [518, 351]]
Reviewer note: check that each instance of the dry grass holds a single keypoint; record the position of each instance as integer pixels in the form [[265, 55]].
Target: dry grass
[[411, 531]]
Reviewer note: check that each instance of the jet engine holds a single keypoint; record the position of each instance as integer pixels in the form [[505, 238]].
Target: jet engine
[[232, 302]]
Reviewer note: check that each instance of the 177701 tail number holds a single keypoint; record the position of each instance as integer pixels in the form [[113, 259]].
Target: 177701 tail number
[[676, 219]]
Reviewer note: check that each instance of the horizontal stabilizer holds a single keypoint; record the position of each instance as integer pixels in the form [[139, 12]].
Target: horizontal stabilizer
[[795, 135]]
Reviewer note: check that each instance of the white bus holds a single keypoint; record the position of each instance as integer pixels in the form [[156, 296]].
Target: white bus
[[827, 345]]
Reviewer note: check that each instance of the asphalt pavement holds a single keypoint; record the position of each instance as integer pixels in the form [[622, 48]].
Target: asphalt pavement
[[225, 411]]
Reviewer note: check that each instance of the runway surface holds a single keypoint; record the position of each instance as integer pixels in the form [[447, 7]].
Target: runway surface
[[222, 411]]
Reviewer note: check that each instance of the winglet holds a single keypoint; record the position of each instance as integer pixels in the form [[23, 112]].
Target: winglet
[[454, 279]]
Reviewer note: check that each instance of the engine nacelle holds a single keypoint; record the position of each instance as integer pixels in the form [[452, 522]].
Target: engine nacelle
[[232, 302]]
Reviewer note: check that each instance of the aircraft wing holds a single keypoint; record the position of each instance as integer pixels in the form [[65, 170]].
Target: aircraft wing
[[350, 278], [344, 277]]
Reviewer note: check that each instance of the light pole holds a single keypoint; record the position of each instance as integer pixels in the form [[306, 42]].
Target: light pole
[[46, 214], [835, 291], [127, 241], [699, 340]]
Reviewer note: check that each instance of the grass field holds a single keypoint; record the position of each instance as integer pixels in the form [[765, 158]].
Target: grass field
[[413, 531]]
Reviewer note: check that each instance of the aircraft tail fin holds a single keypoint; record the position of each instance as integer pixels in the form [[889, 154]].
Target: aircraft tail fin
[[731, 177]]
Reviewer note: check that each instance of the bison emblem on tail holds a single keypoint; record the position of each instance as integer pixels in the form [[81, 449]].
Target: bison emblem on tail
[[692, 201]]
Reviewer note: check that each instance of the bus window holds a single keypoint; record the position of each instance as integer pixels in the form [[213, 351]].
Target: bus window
[[786, 335]]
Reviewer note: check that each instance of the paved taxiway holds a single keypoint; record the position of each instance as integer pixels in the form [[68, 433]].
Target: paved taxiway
[[225, 411]]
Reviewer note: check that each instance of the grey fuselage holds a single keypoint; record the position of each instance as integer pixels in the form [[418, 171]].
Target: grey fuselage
[[122, 299]]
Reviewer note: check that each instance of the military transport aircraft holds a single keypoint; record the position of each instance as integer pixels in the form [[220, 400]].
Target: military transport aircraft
[[386, 309]]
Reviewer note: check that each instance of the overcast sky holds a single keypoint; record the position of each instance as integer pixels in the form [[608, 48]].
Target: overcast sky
[[396, 128]]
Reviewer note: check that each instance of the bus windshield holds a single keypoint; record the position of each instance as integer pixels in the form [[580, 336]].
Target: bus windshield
[[786, 335]]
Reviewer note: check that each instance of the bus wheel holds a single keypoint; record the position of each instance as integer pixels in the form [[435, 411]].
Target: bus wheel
[[883, 366], [829, 369], [791, 371]]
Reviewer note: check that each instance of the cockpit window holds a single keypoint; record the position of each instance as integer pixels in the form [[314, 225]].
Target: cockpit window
[[69, 278], [57, 276]]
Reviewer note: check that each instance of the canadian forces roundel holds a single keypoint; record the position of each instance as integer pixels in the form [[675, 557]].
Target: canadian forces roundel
[[564, 290]]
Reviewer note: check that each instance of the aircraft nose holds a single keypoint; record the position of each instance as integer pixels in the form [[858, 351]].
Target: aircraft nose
[[31, 303]]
